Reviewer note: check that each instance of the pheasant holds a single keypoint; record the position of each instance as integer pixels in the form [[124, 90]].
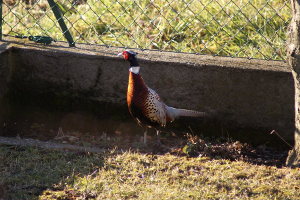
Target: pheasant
[[145, 105]]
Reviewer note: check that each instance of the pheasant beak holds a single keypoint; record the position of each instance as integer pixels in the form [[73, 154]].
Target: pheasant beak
[[120, 54]]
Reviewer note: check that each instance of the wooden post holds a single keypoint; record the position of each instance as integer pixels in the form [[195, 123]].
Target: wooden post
[[293, 57]]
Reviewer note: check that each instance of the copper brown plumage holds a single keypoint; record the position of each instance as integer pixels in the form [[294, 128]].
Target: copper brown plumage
[[145, 105], [137, 95]]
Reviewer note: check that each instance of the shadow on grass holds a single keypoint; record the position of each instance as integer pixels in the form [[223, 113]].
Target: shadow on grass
[[26, 172]]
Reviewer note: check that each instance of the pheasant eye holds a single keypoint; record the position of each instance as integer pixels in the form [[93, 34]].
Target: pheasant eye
[[125, 55]]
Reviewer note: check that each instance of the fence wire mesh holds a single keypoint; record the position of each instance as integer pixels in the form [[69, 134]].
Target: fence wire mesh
[[237, 28]]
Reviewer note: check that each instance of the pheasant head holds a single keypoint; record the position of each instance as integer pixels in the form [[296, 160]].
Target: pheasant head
[[130, 56]]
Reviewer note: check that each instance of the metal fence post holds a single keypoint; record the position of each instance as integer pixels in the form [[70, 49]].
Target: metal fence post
[[1, 20], [61, 22]]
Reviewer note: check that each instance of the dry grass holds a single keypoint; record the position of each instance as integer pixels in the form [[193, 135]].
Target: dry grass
[[216, 171]]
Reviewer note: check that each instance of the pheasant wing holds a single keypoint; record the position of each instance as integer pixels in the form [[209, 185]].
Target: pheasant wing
[[156, 109]]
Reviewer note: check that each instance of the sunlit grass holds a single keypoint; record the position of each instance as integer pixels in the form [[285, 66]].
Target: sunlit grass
[[31, 173], [229, 28]]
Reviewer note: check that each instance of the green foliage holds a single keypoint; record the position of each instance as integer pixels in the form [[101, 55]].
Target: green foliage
[[244, 28], [41, 39]]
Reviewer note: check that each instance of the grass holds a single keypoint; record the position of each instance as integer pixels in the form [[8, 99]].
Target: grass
[[243, 28], [33, 173], [25, 172]]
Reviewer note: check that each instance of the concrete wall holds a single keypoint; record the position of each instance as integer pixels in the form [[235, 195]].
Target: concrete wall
[[251, 93]]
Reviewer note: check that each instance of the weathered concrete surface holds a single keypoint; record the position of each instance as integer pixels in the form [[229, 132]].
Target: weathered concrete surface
[[252, 93], [4, 76]]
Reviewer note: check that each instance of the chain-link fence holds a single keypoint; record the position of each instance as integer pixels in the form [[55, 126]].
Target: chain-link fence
[[237, 28]]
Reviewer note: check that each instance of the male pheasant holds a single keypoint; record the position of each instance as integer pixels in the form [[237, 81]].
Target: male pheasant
[[145, 105]]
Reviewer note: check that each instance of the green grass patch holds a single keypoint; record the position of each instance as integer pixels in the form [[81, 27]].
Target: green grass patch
[[244, 28], [32, 173]]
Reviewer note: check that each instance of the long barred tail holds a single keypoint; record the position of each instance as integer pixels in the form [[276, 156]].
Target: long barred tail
[[174, 113], [189, 113]]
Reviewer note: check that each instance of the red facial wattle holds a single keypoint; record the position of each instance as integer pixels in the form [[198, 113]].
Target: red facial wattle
[[125, 55]]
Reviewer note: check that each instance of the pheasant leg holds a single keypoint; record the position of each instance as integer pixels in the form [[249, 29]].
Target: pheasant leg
[[158, 137], [145, 136]]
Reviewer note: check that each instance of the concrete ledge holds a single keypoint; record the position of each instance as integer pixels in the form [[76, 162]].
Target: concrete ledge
[[252, 93]]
